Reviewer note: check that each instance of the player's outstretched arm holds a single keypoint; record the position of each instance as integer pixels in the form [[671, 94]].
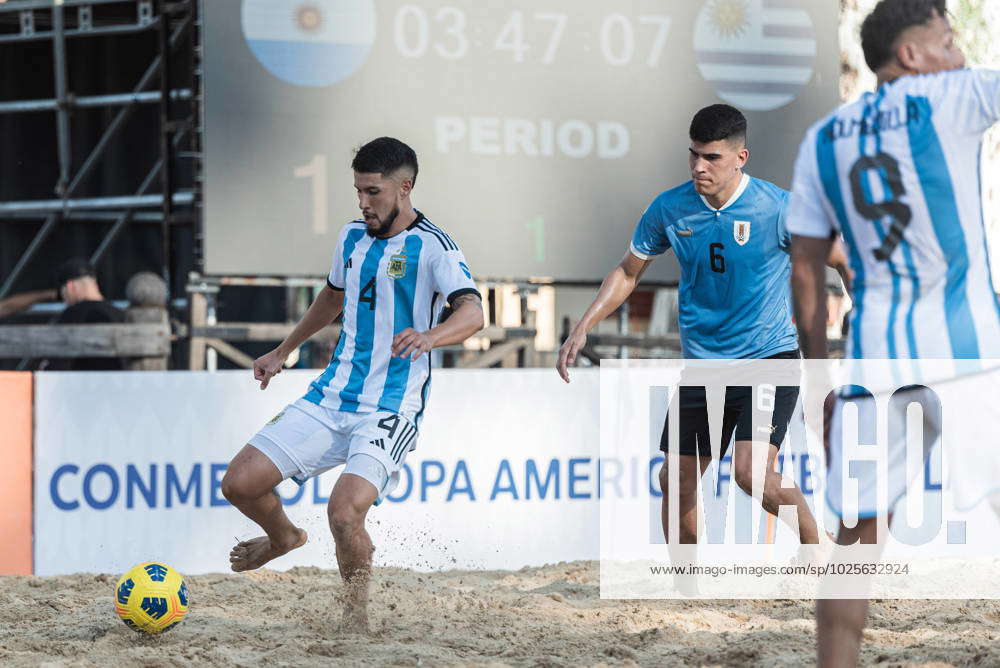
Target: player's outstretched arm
[[327, 306], [465, 320], [23, 301], [615, 289], [809, 255]]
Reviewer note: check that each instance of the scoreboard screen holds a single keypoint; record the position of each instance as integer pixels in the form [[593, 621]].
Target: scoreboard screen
[[543, 129]]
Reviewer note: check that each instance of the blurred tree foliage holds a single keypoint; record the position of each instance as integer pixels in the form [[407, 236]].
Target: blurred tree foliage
[[977, 38]]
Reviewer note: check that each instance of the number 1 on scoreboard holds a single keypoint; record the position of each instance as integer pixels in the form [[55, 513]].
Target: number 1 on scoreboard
[[316, 170]]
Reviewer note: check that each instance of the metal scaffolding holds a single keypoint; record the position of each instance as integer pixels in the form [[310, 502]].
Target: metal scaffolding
[[174, 23]]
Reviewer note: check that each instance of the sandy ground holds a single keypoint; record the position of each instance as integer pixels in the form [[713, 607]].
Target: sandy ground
[[549, 616]]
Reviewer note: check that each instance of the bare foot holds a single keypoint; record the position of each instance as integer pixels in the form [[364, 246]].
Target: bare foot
[[354, 597], [355, 619], [250, 554]]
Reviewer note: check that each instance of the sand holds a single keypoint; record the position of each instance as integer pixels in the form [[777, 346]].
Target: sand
[[549, 616]]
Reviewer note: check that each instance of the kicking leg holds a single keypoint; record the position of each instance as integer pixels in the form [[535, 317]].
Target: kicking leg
[[249, 485], [350, 501]]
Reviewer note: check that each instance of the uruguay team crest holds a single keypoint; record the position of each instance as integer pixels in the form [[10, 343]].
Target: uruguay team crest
[[397, 266], [741, 231]]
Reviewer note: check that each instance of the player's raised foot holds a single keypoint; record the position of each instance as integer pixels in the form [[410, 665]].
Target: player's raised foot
[[250, 554]]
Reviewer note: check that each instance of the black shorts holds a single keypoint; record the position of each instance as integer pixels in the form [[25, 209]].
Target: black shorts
[[737, 416]]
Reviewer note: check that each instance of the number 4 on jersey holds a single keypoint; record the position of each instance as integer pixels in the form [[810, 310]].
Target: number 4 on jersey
[[367, 295]]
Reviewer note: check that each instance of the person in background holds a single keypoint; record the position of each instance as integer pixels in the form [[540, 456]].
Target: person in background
[[76, 285]]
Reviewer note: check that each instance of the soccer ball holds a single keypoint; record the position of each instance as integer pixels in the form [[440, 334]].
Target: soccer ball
[[152, 597]]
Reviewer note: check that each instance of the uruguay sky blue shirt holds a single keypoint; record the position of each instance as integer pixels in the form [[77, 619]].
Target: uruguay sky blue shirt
[[735, 300]]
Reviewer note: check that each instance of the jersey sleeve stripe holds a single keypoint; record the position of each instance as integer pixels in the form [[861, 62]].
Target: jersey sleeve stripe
[[333, 287], [442, 236], [423, 228], [447, 238]]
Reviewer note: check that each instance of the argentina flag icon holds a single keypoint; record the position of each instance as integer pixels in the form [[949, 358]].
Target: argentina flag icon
[[310, 42]]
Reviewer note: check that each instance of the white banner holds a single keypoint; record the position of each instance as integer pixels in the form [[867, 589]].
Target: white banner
[[506, 474], [128, 469]]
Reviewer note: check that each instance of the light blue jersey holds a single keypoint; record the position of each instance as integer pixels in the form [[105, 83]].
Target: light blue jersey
[[897, 174], [389, 285], [734, 292]]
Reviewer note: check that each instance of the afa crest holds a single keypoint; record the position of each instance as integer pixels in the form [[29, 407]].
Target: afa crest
[[741, 231], [397, 266]]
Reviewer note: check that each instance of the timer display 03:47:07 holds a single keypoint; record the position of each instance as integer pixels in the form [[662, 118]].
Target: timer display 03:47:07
[[529, 37]]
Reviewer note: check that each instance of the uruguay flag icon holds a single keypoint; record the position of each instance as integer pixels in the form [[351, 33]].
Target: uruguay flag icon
[[310, 42], [757, 54]]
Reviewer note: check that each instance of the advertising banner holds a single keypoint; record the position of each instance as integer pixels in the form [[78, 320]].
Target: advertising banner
[[129, 468]]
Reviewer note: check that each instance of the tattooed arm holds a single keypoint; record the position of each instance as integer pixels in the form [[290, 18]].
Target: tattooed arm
[[465, 320]]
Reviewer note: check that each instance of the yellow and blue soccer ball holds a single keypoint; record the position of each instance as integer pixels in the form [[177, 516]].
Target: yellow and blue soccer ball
[[152, 597]]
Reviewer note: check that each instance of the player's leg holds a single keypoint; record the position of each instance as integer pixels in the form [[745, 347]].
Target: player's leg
[[249, 485], [690, 464], [379, 443], [683, 553], [685, 459], [756, 449], [294, 443], [748, 455], [840, 623], [689, 468], [352, 497]]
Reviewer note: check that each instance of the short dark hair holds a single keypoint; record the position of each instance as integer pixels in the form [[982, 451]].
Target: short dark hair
[[887, 22], [718, 122], [384, 156], [76, 267]]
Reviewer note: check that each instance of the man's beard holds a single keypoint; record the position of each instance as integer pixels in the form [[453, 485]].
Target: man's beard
[[384, 226]]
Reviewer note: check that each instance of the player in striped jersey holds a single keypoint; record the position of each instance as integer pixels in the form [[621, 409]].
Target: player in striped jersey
[[392, 273], [897, 173]]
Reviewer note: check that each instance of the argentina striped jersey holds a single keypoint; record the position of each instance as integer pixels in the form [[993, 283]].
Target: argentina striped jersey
[[389, 285], [897, 174]]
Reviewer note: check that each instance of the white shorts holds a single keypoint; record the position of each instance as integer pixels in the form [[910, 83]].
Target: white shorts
[[305, 440], [876, 457]]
